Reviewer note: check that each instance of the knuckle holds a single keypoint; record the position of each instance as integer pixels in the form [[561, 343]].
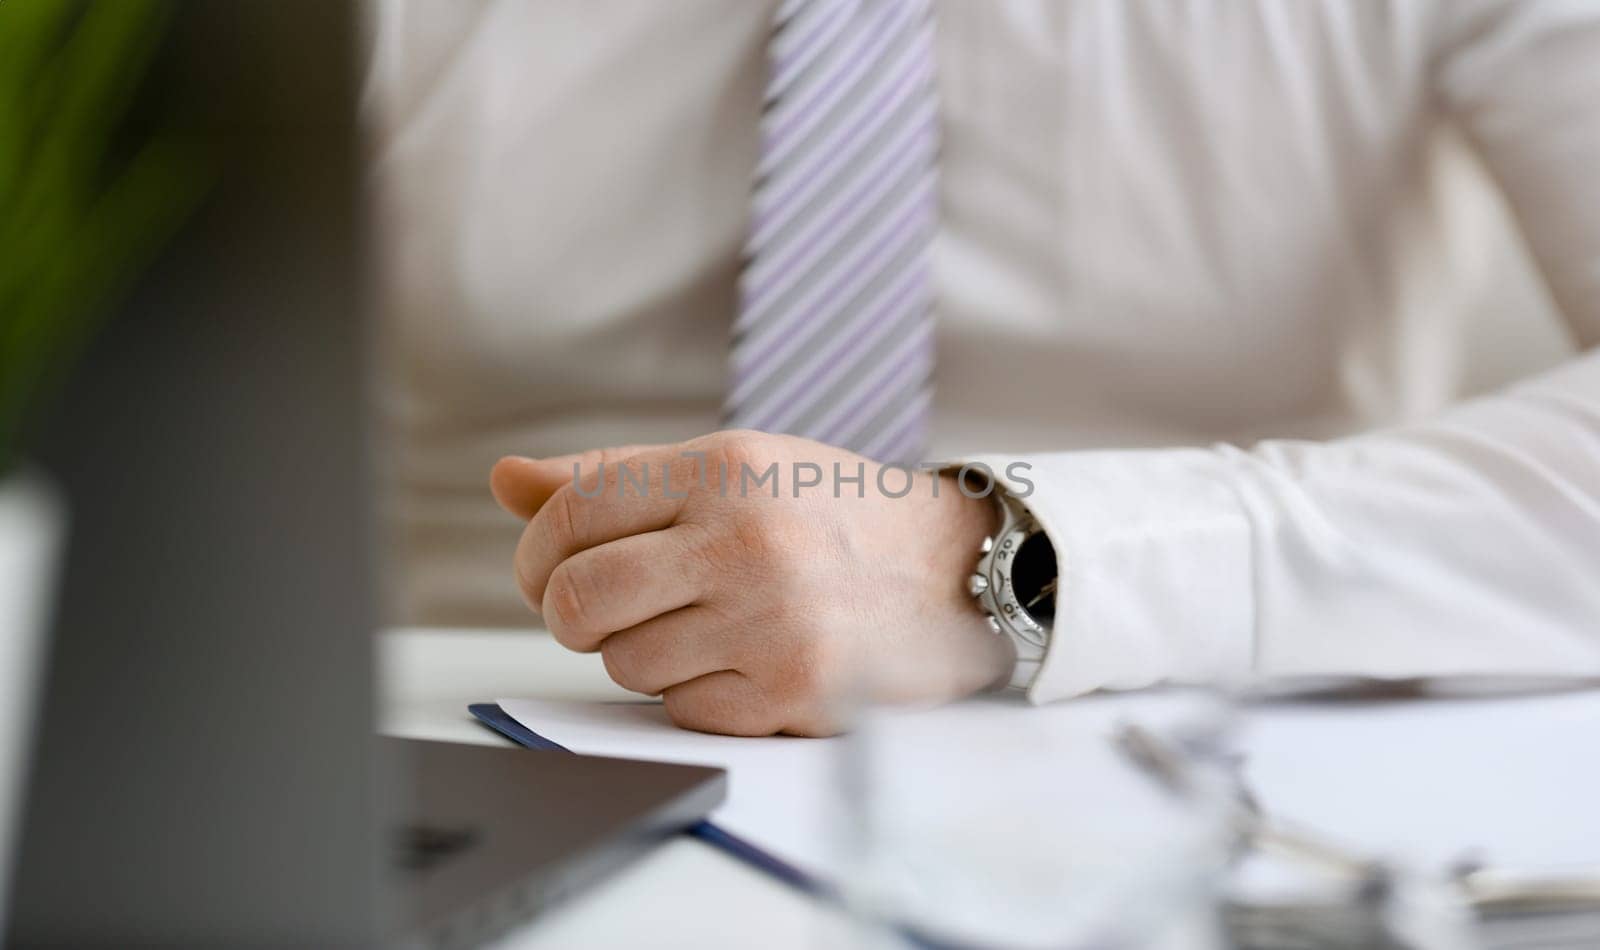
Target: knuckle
[[609, 464], [621, 665], [739, 449], [564, 519], [717, 710], [532, 593], [612, 457], [567, 600], [597, 465], [529, 568], [687, 712]]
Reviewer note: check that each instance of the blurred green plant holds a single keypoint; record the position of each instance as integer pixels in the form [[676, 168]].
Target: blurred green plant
[[86, 201]]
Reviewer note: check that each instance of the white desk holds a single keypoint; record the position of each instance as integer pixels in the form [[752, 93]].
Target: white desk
[[684, 894], [1496, 755]]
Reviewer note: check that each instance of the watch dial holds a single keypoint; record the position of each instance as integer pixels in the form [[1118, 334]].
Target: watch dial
[[1033, 578]]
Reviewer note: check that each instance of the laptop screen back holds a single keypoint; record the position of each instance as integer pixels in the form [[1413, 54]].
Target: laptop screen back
[[204, 763]]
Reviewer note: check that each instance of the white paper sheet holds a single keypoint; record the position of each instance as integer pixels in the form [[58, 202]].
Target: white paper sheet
[[786, 794], [1003, 815], [1512, 779]]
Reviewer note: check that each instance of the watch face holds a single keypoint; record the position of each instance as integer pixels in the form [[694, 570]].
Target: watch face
[[1033, 578], [1023, 582]]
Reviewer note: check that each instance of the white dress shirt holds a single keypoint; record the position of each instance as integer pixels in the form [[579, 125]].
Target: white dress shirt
[[1214, 269]]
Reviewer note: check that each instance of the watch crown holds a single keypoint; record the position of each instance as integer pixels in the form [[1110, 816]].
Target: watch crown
[[988, 545], [977, 584], [994, 624]]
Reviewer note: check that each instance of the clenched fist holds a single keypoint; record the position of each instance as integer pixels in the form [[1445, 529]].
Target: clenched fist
[[754, 581]]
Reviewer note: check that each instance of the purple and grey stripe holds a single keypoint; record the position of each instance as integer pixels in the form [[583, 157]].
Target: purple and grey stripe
[[834, 338]]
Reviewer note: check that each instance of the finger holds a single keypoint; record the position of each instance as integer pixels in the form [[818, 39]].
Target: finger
[[726, 702], [621, 584], [670, 649], [522, 485], [586, 514]]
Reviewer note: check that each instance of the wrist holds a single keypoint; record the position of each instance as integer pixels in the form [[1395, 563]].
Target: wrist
[[969, 521]]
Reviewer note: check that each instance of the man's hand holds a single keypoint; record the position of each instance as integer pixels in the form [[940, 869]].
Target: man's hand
[[752, 614]]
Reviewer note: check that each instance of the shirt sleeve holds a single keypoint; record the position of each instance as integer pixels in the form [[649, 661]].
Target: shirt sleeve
[[1467, 545]]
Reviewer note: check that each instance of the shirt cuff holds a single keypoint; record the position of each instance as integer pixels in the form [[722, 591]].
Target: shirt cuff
[[1155, 559]]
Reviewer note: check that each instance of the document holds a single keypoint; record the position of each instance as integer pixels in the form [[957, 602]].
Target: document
[[1511, 780], [802, 800]]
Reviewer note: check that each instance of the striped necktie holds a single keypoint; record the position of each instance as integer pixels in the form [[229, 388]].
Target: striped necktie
[[834, 337]]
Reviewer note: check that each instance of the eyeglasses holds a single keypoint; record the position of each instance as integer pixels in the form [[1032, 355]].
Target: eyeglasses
[[1376, 904]]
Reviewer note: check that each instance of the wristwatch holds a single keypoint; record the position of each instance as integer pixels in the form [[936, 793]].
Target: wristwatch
[[1015, 584]]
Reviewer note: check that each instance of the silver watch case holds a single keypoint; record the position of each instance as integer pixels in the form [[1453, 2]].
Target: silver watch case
[[990, 584]]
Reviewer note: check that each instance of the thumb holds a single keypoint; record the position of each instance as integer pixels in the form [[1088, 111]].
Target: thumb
[[522, 485]]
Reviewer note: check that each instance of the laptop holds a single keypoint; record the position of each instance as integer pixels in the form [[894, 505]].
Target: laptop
[[206, 769], [494, 836]]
